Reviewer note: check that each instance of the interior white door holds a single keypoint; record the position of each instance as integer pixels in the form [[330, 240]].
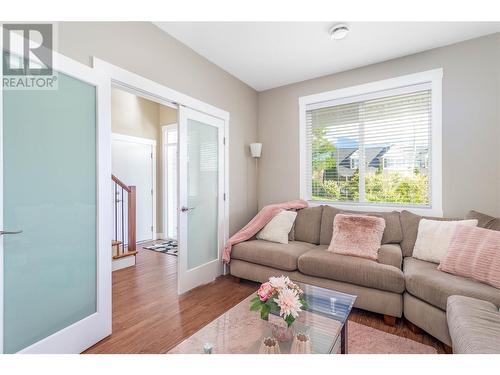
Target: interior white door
[[201, 198], [133, 163], [55, 263]]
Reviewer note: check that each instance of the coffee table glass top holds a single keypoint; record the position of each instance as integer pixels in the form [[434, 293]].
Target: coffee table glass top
[[241, 331]]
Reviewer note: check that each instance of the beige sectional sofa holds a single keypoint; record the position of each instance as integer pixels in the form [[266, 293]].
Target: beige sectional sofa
[[395, 285], [474, 325], [428, 289]]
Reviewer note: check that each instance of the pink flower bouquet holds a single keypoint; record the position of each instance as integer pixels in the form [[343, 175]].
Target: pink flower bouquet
[[281, 296]]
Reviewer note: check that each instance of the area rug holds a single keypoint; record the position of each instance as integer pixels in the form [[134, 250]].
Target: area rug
[[166, 247], [224, 333], [367, 340]]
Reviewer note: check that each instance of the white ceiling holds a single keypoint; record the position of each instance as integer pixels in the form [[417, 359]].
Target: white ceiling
[[271, 54]]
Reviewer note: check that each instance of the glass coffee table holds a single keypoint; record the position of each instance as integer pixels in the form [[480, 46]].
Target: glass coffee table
[[241, 331]]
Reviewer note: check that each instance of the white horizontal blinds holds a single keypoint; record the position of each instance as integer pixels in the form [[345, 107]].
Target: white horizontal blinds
[[398, 129], [334, 137], [374, 148]]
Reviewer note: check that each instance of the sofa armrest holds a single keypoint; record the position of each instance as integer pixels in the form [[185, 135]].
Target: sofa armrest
[[391, 254]]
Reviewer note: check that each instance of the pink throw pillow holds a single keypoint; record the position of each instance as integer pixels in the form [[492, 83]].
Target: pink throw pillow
[[474, 253], [357, 235]]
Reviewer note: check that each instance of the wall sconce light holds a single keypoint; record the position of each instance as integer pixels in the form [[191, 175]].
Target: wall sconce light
[[256, 149]]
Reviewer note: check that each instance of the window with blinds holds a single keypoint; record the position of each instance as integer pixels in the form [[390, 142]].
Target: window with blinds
[[373, 148]]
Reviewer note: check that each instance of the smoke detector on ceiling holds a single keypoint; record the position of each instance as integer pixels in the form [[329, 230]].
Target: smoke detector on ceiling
[[339, 31]]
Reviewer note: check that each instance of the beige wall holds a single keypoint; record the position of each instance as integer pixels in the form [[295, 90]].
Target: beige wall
[[144, 49], [167, 115], [471, 130], [139, 117], [133, 115], [471, 123]]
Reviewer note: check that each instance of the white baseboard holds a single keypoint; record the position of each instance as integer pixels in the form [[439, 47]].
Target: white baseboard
[[125, 262]]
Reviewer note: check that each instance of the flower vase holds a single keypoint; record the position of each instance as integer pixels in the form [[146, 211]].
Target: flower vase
[[280, 330]]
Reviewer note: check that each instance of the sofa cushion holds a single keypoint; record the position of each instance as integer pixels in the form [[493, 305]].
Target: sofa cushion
[[423, 280], [434, 238], [272, 254], [308, 224], [278, 229], [291, 234], [474, 325], [357, 235], [359, 271], [409, 226], [327, 217], [484, 221], [474, 253], [392, 232]]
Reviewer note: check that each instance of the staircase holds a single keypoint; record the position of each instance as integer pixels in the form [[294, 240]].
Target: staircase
[[123, 245]]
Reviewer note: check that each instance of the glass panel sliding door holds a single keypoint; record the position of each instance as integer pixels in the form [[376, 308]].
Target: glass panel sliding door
[[201, 198], [56, 287], [50, 194]]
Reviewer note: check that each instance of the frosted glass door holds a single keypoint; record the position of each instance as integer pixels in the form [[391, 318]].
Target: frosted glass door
[[53, 274], [201, 193]]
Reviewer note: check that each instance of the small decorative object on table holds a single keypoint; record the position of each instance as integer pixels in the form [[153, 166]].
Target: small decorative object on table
[[301, 344], [282, 297], [269, 345], [208, 348]]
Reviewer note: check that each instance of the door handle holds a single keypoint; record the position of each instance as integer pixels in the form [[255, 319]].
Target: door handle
[[185, 209], [10, 232]]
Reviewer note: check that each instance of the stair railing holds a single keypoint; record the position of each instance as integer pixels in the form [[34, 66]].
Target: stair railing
[[120, 189]]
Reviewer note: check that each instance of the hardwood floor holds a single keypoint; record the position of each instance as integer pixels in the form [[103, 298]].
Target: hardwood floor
[[149, 316]]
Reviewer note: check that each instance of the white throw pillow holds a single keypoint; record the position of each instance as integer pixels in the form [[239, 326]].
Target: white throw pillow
[[278, 228], [434, 236]]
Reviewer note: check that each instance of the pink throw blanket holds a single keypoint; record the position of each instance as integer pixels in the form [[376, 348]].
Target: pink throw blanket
[[258, 222]]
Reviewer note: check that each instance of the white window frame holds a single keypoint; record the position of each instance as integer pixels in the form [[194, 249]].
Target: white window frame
[[365, 92]]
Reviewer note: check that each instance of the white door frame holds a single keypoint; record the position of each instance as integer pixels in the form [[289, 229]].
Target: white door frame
[[164, 163], [78, 336], [146, 88], [148, 142]]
